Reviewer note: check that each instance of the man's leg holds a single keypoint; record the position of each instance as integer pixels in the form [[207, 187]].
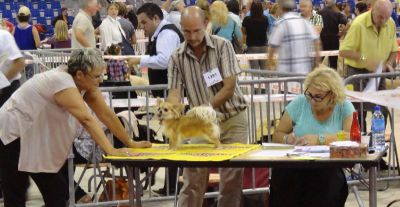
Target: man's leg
[[194, 186], [233, 130]]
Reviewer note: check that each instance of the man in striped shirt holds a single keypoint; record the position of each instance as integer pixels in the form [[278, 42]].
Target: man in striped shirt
[[307, 12], [205, 66]]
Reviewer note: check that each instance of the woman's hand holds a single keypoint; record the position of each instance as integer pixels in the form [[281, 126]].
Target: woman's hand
[[121, 152], [308, 139], [140, 144]]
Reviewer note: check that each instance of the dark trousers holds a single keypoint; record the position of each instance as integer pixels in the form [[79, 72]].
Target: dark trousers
[[308, 187], [327, 45], [52, 186], [5, 93], [78, 159], [158, 77], [359, 85]]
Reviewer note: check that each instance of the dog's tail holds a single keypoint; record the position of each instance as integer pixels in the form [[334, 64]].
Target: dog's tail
[[205, 113]]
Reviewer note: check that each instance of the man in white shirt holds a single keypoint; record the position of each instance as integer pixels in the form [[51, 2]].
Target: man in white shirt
[[11, 64], [83, 34], [164, 38]]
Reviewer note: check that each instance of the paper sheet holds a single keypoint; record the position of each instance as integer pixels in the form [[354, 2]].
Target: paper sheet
[[373, 83]]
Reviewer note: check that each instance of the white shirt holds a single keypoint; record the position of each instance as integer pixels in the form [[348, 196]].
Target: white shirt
[[9, 52], [167, 42], [111, 33], [294, 36], [83, 22], [46, 130]]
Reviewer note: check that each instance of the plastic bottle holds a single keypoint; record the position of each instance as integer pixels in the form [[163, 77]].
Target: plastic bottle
[[355, 133], [378, 129]]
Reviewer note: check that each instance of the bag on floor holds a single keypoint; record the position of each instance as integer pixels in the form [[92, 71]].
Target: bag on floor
[[121, 191]]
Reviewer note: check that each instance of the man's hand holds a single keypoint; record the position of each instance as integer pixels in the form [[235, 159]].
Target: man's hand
[[389, 67], [133, 61], [371, 65]]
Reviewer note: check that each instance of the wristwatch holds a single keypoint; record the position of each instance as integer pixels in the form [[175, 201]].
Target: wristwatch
[[321, 139]]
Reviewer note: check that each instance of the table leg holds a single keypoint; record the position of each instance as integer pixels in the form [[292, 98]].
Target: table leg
[[138, 188], [129, 171], [372, 186]]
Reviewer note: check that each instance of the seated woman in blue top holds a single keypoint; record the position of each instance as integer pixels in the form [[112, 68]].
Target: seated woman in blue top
[[313, 119]]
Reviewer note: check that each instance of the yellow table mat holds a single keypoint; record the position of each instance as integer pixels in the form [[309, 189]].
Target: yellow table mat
[[189, 152]]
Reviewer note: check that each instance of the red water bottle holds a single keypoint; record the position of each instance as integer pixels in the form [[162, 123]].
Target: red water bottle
[[355, 133]]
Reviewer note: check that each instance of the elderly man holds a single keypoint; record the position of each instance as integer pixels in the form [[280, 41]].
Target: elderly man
[[294, 38], [307, 12], [83, 33], [371, 39], [205, 66]]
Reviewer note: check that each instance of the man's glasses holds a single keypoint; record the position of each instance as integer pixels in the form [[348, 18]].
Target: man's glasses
[[316, 98]]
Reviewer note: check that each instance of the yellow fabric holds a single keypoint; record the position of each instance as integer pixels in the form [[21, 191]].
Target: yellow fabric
[[363, 37], [189, 152]]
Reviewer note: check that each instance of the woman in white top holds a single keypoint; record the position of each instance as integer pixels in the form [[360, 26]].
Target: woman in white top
[[110, 29], [38, 123]]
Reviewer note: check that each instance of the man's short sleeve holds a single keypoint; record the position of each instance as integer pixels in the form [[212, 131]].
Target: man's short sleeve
[[9, 46], [229, 63], [174, 75], [351, 41], [275, 39]]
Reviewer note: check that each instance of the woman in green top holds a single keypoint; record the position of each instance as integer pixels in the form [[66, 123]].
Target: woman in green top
[[313, 119]]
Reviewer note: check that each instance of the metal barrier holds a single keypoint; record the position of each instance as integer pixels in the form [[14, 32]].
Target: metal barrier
[[391, 81]]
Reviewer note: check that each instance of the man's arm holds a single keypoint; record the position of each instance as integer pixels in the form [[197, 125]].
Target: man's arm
[[80, 37], [16, 66], [317, 58], [225, 93], [390, 61], [271, 62], [174, 96]]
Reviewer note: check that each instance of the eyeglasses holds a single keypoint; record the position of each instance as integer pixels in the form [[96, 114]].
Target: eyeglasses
[[97, 77], [316, 98]]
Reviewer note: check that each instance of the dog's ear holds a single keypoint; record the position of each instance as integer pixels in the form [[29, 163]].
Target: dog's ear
[[179, 107], [159, 101]]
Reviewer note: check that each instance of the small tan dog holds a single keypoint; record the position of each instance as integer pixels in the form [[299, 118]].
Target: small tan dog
[[199, 122]]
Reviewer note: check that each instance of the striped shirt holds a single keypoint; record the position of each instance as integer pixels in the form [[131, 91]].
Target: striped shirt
[[294, 36], [186, 71], [316, 20]]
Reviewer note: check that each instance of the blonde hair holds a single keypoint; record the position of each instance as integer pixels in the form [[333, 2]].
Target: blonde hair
[[219, 13], [274, 8], [61, 31], [326, 79], [205, 6]]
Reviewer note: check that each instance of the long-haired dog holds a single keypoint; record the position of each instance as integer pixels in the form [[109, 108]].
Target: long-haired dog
[[199, 122]]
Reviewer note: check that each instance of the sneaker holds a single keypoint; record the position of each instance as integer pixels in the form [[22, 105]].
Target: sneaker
[[163, 192]]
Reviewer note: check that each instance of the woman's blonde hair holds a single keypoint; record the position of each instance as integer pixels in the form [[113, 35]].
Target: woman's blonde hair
[[61, 30], [274, 8], [326, 79], [219, 13], [205, 6]]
